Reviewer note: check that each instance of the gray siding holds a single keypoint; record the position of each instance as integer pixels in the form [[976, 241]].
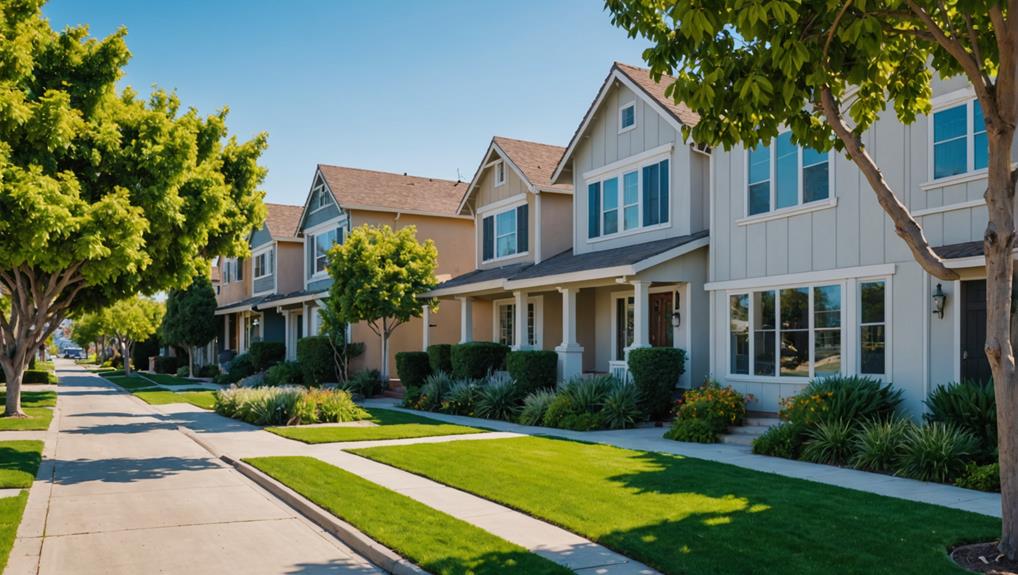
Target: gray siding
[[260, 237], [264, 284]]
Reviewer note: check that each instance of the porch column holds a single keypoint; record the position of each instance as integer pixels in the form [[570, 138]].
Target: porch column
[[426, 335], [466, 319], [288, 345], [305, 317], [570, 352], [641, 314], [520, 323], [226, 332]]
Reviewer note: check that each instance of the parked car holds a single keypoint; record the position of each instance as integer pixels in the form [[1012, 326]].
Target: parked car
[[74, 353]]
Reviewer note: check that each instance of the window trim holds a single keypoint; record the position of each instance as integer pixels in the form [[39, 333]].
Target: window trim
[[317, 193], [964, 97], [337, 223], [262, 252], [499, 169], [537, 301], [888, 325], [494, 215], [774, 212], [622, 108], [618, 172]]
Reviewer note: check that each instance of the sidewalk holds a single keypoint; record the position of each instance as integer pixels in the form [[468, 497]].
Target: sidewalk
[[650, 439], [123, 491]]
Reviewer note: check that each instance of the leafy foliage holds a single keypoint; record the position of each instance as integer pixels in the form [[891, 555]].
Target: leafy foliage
[[719, 406], [693, 431], [412, 367], [850, 399], [829, 442], [784, 440], [190, 319], [621, 409], [461, 399], [656, 372], [878, 444], [314, 354], [535, 406], [936, 452], [287, 405], [440, 357], [533, 369], [285, 373], [498, 399], [476, 359], [980, 477], [968, 404], [265, 354]]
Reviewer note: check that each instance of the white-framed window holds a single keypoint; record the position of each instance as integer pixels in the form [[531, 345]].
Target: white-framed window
[[783, 175], [264, 263], [873, 327], [499, 173], [627, 116], [233, 270], [958, 140], [322, 242], [505, 322], [319, 196], [624, 325], [628, 199], [505, 234]]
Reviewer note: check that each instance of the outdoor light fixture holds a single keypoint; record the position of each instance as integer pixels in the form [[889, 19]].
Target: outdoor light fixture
[[939, 299], [676, 318]]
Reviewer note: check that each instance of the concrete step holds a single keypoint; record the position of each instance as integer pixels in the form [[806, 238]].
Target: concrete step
[[761, 421], [754, 430], [737, 439]]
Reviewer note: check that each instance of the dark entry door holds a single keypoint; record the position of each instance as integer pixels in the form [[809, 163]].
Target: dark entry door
[[974, 364], [661, 319]]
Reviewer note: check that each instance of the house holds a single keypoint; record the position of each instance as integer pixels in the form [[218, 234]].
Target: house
[[631, 271], [248, 287], [808, 278], [341, 199]]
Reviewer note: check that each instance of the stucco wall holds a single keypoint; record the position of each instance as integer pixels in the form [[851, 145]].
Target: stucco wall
[[289, 266], [234, 291]]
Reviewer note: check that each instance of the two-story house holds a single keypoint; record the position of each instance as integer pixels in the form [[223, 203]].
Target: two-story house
[[341, 199], [808, 278], [633, 271]]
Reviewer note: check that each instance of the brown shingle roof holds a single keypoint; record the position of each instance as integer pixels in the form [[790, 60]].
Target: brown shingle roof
[[656, 90], [283, 219], [537, 161], [367, 189]]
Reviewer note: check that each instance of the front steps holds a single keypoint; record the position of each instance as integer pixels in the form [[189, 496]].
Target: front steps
[[753, 426]]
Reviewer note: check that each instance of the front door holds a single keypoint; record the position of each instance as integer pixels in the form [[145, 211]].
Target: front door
[[661, 319], [974, 364]]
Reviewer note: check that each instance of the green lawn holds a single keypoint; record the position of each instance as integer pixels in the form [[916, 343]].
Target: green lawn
[[132, 383], [35, 404], [11, 509], [391, 425], [201, 398], [19, 462], [685, 515], [439, 543], [167, 379]]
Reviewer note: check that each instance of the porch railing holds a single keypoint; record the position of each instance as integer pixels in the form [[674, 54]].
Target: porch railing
[[619, 370]]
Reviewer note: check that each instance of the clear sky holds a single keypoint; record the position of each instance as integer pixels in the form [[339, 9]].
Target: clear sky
[[400, 86]]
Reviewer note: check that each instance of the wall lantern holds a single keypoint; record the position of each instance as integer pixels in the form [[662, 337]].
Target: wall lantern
[[939, 299], [676, 315]]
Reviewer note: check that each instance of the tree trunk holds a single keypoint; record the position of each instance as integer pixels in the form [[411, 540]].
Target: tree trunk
[[190, 361], [12, 407], [384, 368], [126, 356]]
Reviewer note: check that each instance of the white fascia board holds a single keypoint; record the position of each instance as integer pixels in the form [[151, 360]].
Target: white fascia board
[[465, 289], [506, 203], [572, 277], [804, 278]]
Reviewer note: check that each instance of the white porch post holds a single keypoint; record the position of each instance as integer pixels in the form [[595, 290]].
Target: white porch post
[[288, 342], [242, 337], [306, 318], [641, 314], [226, 332], [426, 335], [520, 324], [466, 319], [570, 352]]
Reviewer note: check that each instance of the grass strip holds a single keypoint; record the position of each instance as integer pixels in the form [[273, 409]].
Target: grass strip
[[11, 509], [439, 543], [34, 398], [167, 379], [685, 515], [391, 425], [203, 399], [132, 382], [19, 462], [36, 405]]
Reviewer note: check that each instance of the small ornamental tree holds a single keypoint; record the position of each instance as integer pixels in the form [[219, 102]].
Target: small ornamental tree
[[87, 331], [131, 320], [190, 319], [378, 276], [103, 195], [827, 71]]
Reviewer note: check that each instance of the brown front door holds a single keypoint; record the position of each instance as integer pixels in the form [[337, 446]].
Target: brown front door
[[661, 319]]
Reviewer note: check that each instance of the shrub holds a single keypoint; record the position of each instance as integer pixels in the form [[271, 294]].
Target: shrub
[[878, 444], [719, 406], [314, 354], [969, 405], [433, 391], [621, 407], [849, 399], [497, 399], [583, 422], [412, 367], [33, 376], [210, 370], [692, 430], [784, 440], [365, 383], [265, 354], [461, 397], [474, 360], [936, 452], [287, 405], [239, 368], [144, 350], [532, 369], [587, 394], [440, 357], [981, 477], [285, 373], [166, 364], [535, 406], [829, 442], [183, 371], [656, 372], [325, 406], [560, 408]]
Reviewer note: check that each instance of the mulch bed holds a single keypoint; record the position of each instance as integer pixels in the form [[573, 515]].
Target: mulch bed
[[984, 558]]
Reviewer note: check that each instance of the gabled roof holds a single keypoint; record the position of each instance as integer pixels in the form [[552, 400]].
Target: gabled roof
[[282, 220], [640, 81], [534, 162], [357, 189]]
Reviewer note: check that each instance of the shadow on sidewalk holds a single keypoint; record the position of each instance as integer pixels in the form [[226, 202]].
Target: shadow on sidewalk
[[126, 470]]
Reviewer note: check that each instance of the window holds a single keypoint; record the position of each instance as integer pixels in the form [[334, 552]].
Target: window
[[627, 117], [784, 175], [764, 333], [499, 173], [872, 328], [738, 329], [959, 140], [319, 197], [264, 264], [625, 321], [505, 234], [644, 201], [321, 244], [506, 327]]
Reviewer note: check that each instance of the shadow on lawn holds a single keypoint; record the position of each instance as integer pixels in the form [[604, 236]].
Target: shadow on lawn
[[19, 460], [126, 470]]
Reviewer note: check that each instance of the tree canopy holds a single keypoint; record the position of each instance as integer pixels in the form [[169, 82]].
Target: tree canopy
[[190, 319]]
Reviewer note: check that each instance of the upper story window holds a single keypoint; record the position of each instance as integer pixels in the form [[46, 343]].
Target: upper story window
[[321, 244], [627, 117], [959, 140], [499, 173], [629, 200], [233, 270], [505, 233], [264, 263], [784, 175]]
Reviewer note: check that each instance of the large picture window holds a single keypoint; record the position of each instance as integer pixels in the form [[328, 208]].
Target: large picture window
[[959, 140], [784, 175], [629, 200], [505, 234]]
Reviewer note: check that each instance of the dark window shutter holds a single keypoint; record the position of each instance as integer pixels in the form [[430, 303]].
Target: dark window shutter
[[663, 193], [522, 228], [488, 231], [650, 195], [240, 269], [594, 210]]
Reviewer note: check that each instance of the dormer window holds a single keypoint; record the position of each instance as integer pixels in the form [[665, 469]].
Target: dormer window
[[499, 173], [627, 117]]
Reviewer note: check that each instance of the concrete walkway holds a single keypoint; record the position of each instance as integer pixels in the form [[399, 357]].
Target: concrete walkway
[[121, 490], [650, 439]]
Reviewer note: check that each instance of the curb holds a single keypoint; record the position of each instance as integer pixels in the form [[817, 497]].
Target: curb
[[352, 537]]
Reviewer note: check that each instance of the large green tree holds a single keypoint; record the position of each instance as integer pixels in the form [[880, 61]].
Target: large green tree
[[378, 276], [827, 70], [190, 319], [103, 194], [129, 321]]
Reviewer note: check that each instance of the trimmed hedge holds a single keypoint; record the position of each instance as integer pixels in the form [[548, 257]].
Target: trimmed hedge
[[314, 354], [533, 369], [475, 359], [656, 372], [265, 354], [164, 364], [31, 376], [413, 367], [142, 351], [440, 357]]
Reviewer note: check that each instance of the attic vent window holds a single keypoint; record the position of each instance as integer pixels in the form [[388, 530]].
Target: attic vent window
[[499, 173], [627, 117]]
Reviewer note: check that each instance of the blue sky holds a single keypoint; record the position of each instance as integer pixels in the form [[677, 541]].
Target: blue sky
[[400, 86]]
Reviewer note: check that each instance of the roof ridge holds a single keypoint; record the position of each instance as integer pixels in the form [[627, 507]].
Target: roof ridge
[[397, 174]]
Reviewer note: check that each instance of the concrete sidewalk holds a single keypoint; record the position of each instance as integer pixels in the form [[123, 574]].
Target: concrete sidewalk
[[123, 491], [650, 439]]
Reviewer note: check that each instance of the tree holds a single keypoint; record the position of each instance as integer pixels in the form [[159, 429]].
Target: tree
[[102, 194], [131, 320], [378, 276], [190, 319], [87, 331], [827, 70]]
